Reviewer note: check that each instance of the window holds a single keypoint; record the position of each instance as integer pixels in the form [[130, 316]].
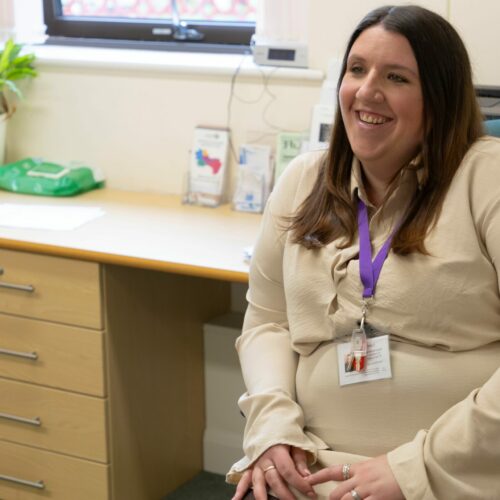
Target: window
[[206, 25]]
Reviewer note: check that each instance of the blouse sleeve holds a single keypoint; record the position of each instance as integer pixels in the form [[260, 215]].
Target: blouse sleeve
[[459, 455], [266, 356]]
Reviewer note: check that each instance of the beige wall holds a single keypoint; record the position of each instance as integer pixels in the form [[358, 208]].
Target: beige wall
[[478, 24], [137, 126], [332, 21]]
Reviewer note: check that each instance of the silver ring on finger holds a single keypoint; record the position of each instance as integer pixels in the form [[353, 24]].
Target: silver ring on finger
[[355, 495], [346, 469]]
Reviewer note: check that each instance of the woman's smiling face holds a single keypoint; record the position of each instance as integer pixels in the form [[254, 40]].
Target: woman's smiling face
[[381, 101]]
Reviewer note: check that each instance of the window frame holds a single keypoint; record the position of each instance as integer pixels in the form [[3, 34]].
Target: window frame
[[223, 37]]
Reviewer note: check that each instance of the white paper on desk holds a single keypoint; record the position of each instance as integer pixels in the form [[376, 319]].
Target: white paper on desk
[[53, 217]]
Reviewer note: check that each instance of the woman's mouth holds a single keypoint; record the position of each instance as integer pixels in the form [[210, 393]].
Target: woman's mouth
[[372, 119]]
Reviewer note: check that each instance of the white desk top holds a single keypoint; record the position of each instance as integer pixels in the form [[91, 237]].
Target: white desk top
[[147, 231]]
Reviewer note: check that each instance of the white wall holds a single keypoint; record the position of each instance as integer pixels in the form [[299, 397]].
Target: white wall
[[477, 23], [138, 126], [332, 22]]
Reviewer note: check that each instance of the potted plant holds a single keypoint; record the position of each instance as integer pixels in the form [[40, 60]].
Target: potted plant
[[13, 67]]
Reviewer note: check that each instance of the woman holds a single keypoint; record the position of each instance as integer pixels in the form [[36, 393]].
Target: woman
[[380, 380]]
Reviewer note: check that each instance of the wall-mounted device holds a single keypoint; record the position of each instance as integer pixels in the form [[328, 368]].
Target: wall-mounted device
[[274, 53], [280, 37]]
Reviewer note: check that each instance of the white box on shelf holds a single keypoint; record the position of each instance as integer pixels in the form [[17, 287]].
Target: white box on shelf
[[321, 126]]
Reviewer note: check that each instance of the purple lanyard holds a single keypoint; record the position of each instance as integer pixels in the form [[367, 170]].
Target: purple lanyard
[[369, 271]]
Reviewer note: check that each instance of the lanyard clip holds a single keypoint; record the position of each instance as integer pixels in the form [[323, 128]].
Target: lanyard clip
[[364, 309]]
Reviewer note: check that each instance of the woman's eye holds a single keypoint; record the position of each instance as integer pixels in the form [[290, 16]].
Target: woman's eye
[[397, 78], [356, 70]]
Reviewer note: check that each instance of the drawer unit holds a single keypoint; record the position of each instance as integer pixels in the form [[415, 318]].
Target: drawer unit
[[50, 354], [54, 420], [31, 474], [110, 359], [50, 288], [53, 405]]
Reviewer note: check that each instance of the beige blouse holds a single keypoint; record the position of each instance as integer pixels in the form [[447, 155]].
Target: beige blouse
[[438, 418]]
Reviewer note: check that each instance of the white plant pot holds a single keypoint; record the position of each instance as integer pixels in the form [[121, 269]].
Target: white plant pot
[[3, 136]]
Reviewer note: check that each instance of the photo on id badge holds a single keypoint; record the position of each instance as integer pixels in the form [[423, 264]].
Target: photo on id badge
[[355, 359]]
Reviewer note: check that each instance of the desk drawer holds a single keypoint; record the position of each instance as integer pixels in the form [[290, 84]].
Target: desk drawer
[[63, 477], [66, 357], [51, 288], [54, 420]]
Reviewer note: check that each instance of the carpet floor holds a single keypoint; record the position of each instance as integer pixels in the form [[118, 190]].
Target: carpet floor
[[204, 486]]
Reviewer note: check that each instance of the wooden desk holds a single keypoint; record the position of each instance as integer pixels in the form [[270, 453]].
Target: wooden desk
[[145, 231], [116, 319]]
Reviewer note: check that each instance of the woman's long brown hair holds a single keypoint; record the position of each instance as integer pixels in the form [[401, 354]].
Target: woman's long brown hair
[[452, 122]]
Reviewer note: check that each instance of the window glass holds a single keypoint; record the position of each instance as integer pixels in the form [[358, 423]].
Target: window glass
[[211, 10]]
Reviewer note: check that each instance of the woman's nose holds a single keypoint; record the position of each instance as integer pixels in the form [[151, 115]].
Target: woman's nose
[[369, 90]]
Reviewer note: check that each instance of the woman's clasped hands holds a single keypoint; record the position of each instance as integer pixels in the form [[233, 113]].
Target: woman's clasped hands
[[282, 466], [277, 468]]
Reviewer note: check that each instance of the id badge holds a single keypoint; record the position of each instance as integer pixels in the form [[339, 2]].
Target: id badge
[[377, 363]]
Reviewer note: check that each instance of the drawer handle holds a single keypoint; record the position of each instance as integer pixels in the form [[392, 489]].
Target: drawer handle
[[31, 421], [34, 484], [27, 355], [13, 286]]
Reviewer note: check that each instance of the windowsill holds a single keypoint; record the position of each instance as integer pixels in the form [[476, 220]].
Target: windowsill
[[164, 61]]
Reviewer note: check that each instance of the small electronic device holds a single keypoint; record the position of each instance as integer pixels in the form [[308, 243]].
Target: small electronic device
[[273, 53]]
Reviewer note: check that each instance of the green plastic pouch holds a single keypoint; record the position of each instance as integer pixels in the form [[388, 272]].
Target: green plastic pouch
[[35, 176]]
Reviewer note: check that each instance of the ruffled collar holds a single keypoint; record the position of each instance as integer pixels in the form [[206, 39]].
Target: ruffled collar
[[394, 207]]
